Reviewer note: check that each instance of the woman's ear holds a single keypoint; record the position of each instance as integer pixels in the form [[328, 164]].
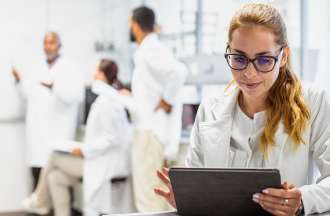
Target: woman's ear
[[285, 55]]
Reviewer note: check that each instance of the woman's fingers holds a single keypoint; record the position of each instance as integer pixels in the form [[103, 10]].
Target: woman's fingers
[[265, 198], [273, 211], [165, 170], [287, 186], [162, 193], [167, 195], [163, 177], [274, 205], [279, 201], [282, 193], [275, 200]]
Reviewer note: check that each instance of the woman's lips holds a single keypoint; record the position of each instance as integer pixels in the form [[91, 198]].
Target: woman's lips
[[251, 85]]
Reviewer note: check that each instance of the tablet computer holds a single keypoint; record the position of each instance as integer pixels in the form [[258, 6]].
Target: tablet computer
[[203, 191]]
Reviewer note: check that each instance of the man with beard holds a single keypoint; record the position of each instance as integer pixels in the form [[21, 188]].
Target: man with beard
[[155, 108], [157, 79]]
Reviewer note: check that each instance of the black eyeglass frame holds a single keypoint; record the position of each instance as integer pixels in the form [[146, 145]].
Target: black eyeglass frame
[[226, 55]]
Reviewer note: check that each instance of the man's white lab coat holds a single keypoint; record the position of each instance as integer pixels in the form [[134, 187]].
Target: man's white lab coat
[[52, 114], [158, 75]]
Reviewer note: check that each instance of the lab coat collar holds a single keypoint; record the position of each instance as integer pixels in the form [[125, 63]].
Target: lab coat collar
[[147, 40], [225, 106], [101, 88], [223, 112]]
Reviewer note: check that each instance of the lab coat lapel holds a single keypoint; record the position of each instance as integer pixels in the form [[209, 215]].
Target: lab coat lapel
[[216, 134]]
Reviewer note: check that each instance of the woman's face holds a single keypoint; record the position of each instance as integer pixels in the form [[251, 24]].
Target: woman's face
[[255, 42]]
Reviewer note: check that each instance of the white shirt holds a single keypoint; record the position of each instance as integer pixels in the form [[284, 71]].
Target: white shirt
[[245, 138]]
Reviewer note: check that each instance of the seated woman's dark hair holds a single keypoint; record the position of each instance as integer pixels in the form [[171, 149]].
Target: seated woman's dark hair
[[110, 70]]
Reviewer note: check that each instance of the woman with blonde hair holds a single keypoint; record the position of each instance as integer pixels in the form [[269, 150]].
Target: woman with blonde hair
[[265, 118]]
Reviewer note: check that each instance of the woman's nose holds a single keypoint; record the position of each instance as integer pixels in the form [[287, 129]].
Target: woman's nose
[[250, 71]]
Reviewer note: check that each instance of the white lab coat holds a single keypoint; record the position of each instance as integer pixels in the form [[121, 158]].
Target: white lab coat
[[52, 114], [210, 146], [157, 75], [106, 150], [12, 145]]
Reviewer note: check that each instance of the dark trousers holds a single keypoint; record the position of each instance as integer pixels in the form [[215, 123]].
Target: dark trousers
[[35, 174]]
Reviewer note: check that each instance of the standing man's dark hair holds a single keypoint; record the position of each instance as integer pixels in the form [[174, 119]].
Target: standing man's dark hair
[[145, 18]]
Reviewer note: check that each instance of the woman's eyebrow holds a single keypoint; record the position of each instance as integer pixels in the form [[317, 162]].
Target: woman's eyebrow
[[257, 54], [239, 51]]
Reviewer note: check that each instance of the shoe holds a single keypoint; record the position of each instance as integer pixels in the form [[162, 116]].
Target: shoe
[[32, 205]]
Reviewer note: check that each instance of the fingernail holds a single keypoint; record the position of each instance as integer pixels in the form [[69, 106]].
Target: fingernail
[[255, 200], [256, 196], [265, 191]]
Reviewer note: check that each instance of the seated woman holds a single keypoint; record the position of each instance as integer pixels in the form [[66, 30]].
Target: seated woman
[[103, 155], [265, 118]]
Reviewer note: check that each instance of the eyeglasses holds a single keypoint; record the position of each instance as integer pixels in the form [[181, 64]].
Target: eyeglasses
[[261, 63]]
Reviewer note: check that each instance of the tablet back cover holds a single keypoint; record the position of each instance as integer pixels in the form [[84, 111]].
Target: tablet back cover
[[220, 191]]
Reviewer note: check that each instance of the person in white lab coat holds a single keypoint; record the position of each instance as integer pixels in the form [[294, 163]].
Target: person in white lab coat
[[155, 107], [267, 120], [109, 135], [102, 156], [12, 144], [53, 93]]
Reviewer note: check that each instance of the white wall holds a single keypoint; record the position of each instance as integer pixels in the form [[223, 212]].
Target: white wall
[[79, 22], [23, 24]]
